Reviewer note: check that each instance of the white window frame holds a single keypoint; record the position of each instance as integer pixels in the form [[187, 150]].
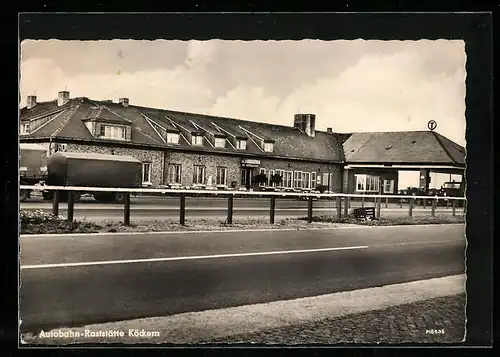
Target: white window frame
[[282, 174], [288, 179], [241, 144], [146, 171], [24, 128], [297, 179], [196, 174], [197, 140], [174, 173], [114, 132], [262, 171], [220, 142], [306, 180], [219, 170], [268, 147], [269, 183], [173, 138], [313, 180], [367, 183], [388, 186]]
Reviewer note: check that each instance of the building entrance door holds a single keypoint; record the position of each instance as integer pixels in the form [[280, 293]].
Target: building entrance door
[[246, 177]]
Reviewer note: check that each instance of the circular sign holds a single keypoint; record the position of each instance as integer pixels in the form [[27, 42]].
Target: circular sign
[[432, 125]]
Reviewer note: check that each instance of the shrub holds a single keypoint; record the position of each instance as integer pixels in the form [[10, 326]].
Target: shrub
[[321, 188], [37, 217]]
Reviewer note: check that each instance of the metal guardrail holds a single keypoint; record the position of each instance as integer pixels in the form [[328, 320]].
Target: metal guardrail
[[342, 199]]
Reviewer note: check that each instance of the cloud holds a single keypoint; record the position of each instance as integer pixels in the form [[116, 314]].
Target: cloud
[[350, 85]]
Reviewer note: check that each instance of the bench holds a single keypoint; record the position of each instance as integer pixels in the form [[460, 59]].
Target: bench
[[364, 212]]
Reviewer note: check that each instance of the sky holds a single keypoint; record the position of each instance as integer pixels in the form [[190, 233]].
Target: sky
[[351, 86]]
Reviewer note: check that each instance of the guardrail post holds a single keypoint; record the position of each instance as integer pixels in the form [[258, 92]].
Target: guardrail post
[[339, 207], [362, 200], [387, 202], [55, 203], [453, 208], [126, 210], [346, 207], [410, 206], [400, 203], [71, 206], [309, 210], [230, 210], [183, 209], [424, 201], [434, 204], [271, 209], [377, 211]]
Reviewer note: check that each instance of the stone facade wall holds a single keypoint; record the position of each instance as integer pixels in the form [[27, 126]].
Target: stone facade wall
[[211, 162]]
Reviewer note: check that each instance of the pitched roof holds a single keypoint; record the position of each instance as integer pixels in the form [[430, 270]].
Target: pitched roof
[[403, 147], [288, 142]]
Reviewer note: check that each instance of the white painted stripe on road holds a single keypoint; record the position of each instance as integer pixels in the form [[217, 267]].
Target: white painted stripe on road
[[305, 228], [203, 326], [199, 257]]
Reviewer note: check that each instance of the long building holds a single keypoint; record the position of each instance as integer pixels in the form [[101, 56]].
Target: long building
[[191, 150]]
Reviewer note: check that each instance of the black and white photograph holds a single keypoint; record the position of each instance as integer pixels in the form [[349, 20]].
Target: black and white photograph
[[194, 192]]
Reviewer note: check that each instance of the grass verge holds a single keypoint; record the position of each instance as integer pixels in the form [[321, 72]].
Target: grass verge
[[38, 222]]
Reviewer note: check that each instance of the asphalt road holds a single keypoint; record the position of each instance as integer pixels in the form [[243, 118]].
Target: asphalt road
[[78, 280], [155, 208]]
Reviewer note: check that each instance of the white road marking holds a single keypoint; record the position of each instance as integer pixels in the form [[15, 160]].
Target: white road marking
[[234, 255]]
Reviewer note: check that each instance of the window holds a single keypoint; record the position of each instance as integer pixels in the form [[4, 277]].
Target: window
[[24, 128], [199, 174], [297, 178], [220, 142], [197, 140], [243, 177], [282, 174], [174, 173], [313, 180], [112, 132], [221, 176], [306, 179], [388, 186], [287, 179], [262, 172], [146, 172], [269, 183], [268, 147], [367, 183], [173, 138], [241, 144]]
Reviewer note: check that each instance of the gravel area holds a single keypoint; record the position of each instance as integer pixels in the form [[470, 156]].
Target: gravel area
[[439, 320]]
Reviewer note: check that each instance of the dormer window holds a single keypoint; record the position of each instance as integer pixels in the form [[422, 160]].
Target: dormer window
[[241, 144], [113, 132], [24, 129], [173, 138], [220, 142], [268, 147], [197, 140]]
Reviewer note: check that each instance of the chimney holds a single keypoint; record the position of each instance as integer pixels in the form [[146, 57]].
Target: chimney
[[62, 98], [306, 123], [31, 102], [123, 101], [329, 130]]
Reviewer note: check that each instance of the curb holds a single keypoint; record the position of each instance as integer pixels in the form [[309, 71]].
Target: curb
[[193, 327], [346, 226]]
